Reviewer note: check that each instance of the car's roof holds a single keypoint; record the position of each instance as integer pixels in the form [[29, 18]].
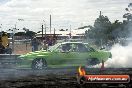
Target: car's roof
[[71, 42], [58, 44]]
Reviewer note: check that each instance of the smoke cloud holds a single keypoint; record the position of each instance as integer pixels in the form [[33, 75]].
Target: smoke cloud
[[121, 57]]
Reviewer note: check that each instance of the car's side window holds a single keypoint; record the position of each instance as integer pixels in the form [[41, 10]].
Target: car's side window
[[68, 47], [63, 48], [58, 49], [82, 48], [90, 48], [74, 48], [79, 48]]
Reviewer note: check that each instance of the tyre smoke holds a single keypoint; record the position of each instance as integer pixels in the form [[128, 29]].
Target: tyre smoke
[[121, 56]]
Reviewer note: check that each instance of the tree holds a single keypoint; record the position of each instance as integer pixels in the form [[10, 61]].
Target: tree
[[128, 15], [104, 31], [27, 33], [30, 34], [99, 32], [20, 34], [128, 23]]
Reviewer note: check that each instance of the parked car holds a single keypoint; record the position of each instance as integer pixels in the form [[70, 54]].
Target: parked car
[[65, 54]]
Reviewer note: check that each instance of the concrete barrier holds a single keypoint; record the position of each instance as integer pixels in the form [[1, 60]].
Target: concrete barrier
[[8, 56], [9, 60]]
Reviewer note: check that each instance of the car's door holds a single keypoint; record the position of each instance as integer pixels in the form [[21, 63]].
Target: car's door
[[79, 54], [61, 54]]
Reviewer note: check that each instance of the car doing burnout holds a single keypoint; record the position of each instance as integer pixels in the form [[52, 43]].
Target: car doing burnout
[[65, 54]]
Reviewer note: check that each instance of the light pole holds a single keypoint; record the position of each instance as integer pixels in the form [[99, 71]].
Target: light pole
[[43, 30], [50, 24], [13, 38], [70, 31], [1, 29]]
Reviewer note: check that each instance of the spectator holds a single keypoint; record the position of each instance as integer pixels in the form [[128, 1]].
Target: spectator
[[54, 41], [44, 45], [50, 42], [4, 38], [2, 48], [35, 44], [8, 50]]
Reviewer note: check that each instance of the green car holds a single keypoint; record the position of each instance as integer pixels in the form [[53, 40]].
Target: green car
[[65, 54]]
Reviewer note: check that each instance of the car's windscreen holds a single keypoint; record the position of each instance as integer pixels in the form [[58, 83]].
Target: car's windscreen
[[51, 48], [72, 47], [89, 48]]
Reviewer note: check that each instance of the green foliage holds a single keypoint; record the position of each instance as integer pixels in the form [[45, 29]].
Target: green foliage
[[20, 34], [30, 34], [104, 31], [100, 30]]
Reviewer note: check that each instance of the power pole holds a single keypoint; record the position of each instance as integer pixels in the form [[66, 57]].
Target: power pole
[[70, 28], [50, 24], [70, 31], [100, 13], [42, 31], [54, 30], [54, 33], [1, 27], [45, 32], [13, 38]]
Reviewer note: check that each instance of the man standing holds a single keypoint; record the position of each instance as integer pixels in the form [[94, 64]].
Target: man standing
[[35, 44]]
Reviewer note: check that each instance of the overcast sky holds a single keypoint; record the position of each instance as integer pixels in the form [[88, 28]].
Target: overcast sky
[[64, 12]]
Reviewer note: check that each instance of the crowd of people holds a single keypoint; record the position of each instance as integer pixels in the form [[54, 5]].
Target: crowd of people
[[45, 43]]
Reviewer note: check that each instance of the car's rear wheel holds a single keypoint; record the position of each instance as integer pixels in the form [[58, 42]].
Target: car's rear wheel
[[92, 61], [39, 63]]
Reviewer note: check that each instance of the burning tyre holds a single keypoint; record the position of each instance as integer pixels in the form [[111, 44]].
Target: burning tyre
[[39, 63]]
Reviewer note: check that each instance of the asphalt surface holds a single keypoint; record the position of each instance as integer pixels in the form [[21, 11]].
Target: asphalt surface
[[6, 73], [50, 77]]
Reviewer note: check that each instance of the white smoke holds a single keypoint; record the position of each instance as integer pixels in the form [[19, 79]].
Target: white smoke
[[121, 57]]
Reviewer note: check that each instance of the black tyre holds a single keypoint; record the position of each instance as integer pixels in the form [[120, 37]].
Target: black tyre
[[39, 63], [93, 61]]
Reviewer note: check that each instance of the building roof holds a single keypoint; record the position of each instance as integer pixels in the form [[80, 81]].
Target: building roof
[[76, 32]]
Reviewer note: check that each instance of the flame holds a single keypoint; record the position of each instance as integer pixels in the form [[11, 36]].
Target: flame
[[81, 71]]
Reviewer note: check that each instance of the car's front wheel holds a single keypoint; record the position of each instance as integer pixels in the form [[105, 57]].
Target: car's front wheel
[[39, 63]]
